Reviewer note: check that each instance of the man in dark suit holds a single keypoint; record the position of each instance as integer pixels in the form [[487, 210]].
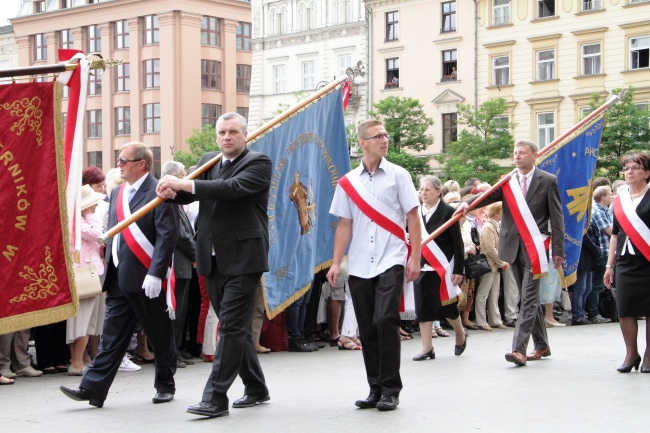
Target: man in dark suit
[[134, 289], [232, 246], [543, 198]]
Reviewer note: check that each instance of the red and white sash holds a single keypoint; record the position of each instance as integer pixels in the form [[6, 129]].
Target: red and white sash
[[142, 248], [438, 261], [632, 225], [385, 218], [535, 242]]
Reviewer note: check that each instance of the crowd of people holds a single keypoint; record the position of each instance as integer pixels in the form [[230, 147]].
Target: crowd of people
[[216, 229]]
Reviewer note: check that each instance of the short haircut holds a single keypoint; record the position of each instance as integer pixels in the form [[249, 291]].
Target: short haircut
[[140, 151], [232, 115], [638, 158], [363, 127], [471, 181], [494, 208], [432, 180], [601, 192], [600, 181], [616, 185], [523, 143], [92, 175], [451, 197], [173, 168]]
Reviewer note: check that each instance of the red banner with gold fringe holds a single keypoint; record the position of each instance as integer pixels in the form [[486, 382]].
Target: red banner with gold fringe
[[34, 251]]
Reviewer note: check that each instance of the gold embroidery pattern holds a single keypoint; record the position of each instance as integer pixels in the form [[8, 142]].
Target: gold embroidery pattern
[[29, 114], [43, 283]]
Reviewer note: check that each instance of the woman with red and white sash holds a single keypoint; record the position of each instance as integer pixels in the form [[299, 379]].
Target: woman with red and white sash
[[436, 289], [629, 250]]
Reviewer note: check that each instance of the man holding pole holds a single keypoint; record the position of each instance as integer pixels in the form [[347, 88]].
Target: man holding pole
[[374, 202], [531, 199], [232, 246]]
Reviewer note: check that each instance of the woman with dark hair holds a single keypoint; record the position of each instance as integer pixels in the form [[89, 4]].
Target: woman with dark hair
[[428, 305], [629, 250]]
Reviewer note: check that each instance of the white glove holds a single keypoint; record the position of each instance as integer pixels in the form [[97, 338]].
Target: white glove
[[152, 286]]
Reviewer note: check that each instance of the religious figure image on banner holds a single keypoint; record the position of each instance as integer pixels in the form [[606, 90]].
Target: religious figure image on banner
[[299, 195]]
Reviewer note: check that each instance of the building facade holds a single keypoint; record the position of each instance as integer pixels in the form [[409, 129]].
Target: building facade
[[182, 65], [547, 58], [8, 50], [425, 50], [298, 45]]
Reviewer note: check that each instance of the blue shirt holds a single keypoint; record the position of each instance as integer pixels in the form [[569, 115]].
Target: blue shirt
[[601, 217]]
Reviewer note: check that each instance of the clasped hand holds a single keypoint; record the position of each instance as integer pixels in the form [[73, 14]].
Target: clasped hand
[[167, 187]]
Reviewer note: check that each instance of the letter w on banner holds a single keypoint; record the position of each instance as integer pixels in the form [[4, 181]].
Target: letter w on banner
[[309, 153], [573, 161], [34, 253]]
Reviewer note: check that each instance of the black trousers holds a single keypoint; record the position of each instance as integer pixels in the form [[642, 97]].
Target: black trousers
[[233, 299], [181, 291], [123, 310], [376, 304]]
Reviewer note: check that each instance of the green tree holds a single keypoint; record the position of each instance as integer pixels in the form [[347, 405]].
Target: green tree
[[627, 130], [486, 139], [407, 123], [201, 141]]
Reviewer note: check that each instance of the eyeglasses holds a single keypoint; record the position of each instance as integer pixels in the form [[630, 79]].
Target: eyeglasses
[[633, 167], [378, 137], [123, 161]]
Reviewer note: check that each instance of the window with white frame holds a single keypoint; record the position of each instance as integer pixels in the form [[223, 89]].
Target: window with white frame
[[151, 29], [392, 26], [344, 61], [591, 5], [274, 23], [449, 65], [500, 70], [308, 75], [123, 77], [151, 73], [121, 31], [284, 21], [122, 120], [312, 15], [545, 8], [40, 47], [639, 52], [392, 72], [590, 59], [66, 40], [302, 17], [151, 118], [448, 17], [545, 65], [545, 128], [279, 79], [94, 39], [500, 12], [584, 112]]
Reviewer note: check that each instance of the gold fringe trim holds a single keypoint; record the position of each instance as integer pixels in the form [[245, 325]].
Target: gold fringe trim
[[449, 301], [542, 275], [37, 318], [568, 280], [271, 314]]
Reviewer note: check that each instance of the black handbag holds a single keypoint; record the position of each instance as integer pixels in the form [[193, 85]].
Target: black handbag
[[476, 265]]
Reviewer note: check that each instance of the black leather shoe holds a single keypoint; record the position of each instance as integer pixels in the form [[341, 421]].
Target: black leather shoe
[[81, 394], [424, 356], [459, 349], [250, 400], [163, 397], [387, 402], [370, 402], [207, 409]]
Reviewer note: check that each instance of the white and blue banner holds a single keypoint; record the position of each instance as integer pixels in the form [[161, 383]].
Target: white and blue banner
[[573, 161], [309, 153]]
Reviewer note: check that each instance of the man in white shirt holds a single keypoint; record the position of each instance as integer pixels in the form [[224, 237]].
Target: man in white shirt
[[380, 196]]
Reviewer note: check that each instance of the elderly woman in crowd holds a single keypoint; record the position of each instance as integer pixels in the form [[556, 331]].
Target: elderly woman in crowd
[[489, 284], [428, 306], [90, 315], [629, 250]]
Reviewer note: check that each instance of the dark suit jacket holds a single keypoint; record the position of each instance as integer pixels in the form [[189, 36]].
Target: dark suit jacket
[[543, 198], [450, 241], [160, 226], [232, 214], [185, 253]]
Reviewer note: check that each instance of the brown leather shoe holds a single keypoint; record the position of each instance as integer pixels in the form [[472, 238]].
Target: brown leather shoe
[[538, 354], [516, 358]]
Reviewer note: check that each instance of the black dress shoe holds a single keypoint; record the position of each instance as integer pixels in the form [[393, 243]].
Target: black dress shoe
[[387, 402], [424, 356], [459, 349], [163, 397], [207, 409], [81, 394], [370, 402], [250, 400], [511, 324]]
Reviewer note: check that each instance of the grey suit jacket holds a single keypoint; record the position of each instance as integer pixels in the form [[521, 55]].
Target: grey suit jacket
[[232, 214], [543, 198]]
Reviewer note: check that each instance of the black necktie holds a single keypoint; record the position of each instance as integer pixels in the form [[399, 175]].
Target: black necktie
[[224, 165]]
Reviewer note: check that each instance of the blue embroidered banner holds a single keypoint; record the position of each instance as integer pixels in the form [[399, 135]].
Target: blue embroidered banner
[[573, 161], [309, 153]]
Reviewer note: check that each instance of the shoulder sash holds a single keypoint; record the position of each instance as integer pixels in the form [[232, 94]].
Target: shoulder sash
[[632, 224]]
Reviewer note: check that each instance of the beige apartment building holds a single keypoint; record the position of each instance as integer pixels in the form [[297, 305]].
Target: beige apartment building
[[547, 57], [424, 49], [183, 63], [8, 50]]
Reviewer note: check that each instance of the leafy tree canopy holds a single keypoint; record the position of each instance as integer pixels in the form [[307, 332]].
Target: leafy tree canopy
[[201, 141]]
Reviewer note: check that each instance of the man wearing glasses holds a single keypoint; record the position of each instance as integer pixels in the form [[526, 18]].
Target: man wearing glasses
[[137, 262], [374, 202]]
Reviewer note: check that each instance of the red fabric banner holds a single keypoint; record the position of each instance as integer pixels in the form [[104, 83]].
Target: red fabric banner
[[34, 251]]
